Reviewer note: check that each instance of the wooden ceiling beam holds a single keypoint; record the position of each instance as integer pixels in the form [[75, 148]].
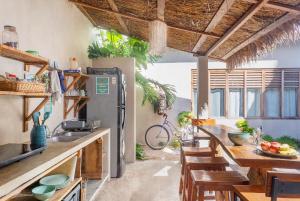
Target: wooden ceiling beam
[[85, 5], [261, 33], [279, 6], [225, 6], [114, 7], [86, 14], [237, 25]]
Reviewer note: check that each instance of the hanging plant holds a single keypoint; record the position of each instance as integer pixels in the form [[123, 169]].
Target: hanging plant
[[113, 44]]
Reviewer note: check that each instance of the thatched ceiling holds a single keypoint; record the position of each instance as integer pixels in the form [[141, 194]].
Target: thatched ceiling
[[234, 31]]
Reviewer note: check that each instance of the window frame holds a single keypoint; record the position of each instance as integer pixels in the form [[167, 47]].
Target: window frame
[[267, 77]]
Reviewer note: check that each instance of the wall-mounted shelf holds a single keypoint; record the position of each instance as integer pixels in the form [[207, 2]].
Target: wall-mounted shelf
[[79, 80], [26, 94], [27, 59], [15, 54]]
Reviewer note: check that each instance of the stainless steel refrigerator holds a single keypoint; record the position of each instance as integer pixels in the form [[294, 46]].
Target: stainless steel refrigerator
[[107, 91]]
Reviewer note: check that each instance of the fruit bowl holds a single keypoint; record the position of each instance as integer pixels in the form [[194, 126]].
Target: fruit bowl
[[239, 138], [275, 149]]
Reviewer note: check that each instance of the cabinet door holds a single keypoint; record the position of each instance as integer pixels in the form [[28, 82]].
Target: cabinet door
[[92, 160]]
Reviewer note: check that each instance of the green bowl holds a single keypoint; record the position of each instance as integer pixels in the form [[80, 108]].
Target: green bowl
[[59, 181], [239, 138], [33, 52], [43, 192]]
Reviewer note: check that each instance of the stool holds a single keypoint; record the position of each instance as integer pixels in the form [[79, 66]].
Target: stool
[[202, 181], [198, 163], [195, 151]]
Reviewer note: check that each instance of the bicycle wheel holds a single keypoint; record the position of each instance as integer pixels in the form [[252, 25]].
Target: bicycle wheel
[[157, 137]]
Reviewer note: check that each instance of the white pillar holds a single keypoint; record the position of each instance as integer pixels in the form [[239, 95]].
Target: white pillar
[[203, 87]]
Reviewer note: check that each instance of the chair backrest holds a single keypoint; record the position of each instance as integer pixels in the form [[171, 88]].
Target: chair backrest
[[283, 184]]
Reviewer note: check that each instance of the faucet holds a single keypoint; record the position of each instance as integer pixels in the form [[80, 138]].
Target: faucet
[[54, 132]]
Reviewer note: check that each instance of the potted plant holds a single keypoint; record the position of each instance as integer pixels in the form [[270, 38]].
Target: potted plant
[[242, 136]]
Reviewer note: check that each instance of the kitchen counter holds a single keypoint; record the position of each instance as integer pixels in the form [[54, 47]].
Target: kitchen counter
[[15, 175]]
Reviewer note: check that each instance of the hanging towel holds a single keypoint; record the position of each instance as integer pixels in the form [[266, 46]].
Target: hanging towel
[[56, 87], [62, 81]]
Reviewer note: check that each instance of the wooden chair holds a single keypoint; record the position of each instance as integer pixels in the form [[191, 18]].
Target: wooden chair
[[219, 181], [281, 186], [198, 163]]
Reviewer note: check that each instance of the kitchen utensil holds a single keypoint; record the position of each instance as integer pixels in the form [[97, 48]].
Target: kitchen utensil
[[46, 116], [57, 180], [35, 118], [43, 192], [277, 155], [40, 120]]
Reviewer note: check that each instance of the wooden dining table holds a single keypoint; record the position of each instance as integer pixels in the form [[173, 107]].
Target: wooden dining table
[[246, 155]]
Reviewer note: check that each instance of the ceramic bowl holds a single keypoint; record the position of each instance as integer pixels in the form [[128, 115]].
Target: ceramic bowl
[[43, 192], [239, 138], [59, 181]]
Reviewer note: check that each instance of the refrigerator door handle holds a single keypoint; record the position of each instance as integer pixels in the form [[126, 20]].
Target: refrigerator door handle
[[124, 117], [123, 106]]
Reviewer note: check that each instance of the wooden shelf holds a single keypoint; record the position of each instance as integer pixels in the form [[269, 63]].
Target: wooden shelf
[[12, 53], [76, 97], [26, 94], [60, 194], [26, 194], [79, 80], [27, 59], [76, 75]]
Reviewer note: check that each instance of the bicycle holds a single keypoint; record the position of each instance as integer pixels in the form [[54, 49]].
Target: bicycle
[[159, 136]]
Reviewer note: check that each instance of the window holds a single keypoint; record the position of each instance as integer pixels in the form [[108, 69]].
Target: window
[[290, 102], [253, 102], [272, 102], [235, 103], [217, 102]]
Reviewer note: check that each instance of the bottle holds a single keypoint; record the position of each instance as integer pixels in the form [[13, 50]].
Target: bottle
[[10, 36]]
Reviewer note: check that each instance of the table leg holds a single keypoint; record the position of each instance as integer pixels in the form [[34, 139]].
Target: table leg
[[257, 176]]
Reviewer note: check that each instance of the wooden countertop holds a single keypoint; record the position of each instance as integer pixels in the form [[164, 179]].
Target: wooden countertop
[[13, 176], [246, 155]]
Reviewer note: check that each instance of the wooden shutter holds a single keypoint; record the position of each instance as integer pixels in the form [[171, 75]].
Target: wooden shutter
[[254, 78], [273, 78], [291, 78], [217, 79], [236, 79], [194, 74]]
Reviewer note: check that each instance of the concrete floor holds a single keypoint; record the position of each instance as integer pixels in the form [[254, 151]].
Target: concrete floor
[[150, 180]]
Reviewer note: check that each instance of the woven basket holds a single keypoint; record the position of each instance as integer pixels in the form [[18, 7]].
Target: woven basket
[[32, 87]]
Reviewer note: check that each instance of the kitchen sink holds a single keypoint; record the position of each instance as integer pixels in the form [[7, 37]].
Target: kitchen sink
[[68, 136], [63, 139], [76, 134]]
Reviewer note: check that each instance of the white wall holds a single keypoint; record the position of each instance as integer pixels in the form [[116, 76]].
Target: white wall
[[177, 74], [55, 28]]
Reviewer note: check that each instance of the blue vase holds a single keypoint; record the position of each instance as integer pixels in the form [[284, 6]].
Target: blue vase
[[38, 137]]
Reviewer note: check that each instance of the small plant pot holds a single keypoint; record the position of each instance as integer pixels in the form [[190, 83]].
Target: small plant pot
[[239, 138]]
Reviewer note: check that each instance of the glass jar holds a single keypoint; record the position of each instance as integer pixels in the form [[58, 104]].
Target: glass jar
[[10, 36]]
